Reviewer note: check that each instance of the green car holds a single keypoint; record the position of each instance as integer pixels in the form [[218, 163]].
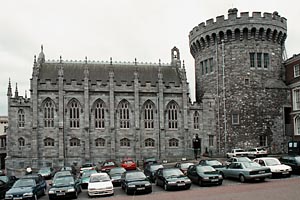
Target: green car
[[85, 178], [64, 187]]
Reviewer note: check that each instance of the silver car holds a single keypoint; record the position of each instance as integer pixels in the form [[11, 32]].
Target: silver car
[[245, 171]]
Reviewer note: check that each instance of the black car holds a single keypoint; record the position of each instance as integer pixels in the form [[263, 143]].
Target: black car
[[64, 187], [211, 162], [151, 169], [6, 182], [46, 172], [172, 178], [133, 182], [183, 166], [115, 175], [27, 187], [291, 160], [204, 175], [149, 160]]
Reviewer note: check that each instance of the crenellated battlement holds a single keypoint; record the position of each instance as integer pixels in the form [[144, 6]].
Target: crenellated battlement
[[266, 27]]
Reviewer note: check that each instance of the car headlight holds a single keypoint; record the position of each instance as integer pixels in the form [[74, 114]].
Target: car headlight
[[171, 182], [51, 192], [71, 190], [8, 196], [28, 194], [206, 178], [109, 187], [131, 186], [147, 184]]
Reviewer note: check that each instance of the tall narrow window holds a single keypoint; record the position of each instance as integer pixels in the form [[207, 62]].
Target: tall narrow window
[[124, 114], [148, 116], [297, 125], [125, 142], [74, 142], [173, 116], [100, 142], [263, 140], [266, 60], [296, 99], [259, 59], [211, 140], [99, 115], [196, 120], [49, 114], [21, 118], [21, 142], [252, 60], [296, 70], [211, 65], [235, 119], [202, 68], [74, 114], [206, 67], [173, 142], [149, 142]]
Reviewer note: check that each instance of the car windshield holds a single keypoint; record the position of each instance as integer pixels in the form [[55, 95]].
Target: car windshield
[[108, 164], [186, 165], [66, 169], [239, 150], [251, 164], [24, 183], [128, 161], [66, 180], [155, 167], [99, 178], [4, 179], [44, 170], [243, 159], [213, 162], [204, 169], [117, 170], [88, 173], [272, 162], [135, 176], [172, 173], [297, 158], [87, 165]]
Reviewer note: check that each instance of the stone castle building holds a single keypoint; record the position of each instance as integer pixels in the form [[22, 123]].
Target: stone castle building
[[88, 111], [239, 61]]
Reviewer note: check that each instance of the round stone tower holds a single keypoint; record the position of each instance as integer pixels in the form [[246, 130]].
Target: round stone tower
[[238, 60]]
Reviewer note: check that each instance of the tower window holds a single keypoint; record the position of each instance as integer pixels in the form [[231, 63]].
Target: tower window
[[266, 60], [149, 142], [99, 115], [21, 142], [125, 142], [173, 142], [74, 142], [100, 142], [49, 114], [21, 118], [173, 116], [252, 60], [48, 142], [124, 115], [196, 120], [74, 114], [259, 59], [148, 116], [235, 119], [296, 70]]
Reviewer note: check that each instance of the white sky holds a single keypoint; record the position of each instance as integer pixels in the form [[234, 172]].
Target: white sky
[[121, 29]]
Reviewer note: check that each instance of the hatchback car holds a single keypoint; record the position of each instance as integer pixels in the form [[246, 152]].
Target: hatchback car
[[204, 175], [108, 165], [100, 184], [149, 160], [245, 171], [172, 178], [183, 166], [115, 175], [257, 152], [85, 177], [128, 164], [237, 159], [133, 182], [211, 162], [46, 172], [151, 169], [276, 167], [6, 182], [27, 187], [64, 187], [293, 161], [87, 166]]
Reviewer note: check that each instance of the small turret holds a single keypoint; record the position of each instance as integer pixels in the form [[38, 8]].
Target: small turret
[[41, 58], [16, 92], [9, 91], [175, 57]]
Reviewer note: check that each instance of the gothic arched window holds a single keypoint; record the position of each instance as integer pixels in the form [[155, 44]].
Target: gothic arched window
[[99, 115], [149, 142], [49, 114], [124, 115], [21, 118], [149, 116], [173, 142], [74, 142], [21, 142], [125, 142], [100, 142], [172, 116], [196, 120], [74, 113], [48, 142]]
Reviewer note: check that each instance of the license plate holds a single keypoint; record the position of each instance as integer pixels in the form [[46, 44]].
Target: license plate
[[214, 180], [181, 184], [141, 188], [261, 172], [60, 193], [285, 172], [17, 198]]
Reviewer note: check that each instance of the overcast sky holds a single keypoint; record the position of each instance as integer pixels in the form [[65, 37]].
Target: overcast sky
[[121, 29]]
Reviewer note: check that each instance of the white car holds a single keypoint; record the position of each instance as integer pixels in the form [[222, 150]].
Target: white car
[[100, 184], [257, 152], [274, 164]]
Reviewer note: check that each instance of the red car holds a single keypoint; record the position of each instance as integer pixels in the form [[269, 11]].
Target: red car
[[128, 164], [108, 165]]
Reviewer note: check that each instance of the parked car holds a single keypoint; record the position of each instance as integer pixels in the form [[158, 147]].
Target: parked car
[[151, 169], [172, 178], [115, 175], [257, 152], [183, 166], [237, 159], [46, 172], [236, 153], [108, 165], [293, 161], [100, 184], [61, 173], [64, 187], [149, 160], [128, 164], [245, 171], [27, 187], [276, 167], [85, 178], [204, 175], [135, 181], [6, 182], [211, 162], [87, 166]]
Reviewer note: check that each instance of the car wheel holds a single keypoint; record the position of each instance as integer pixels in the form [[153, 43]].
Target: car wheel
[[262, 179], [156, 182], [222, 174], [126, 190], [75, 195], [200, 183], [166, 187], [242, 178]]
